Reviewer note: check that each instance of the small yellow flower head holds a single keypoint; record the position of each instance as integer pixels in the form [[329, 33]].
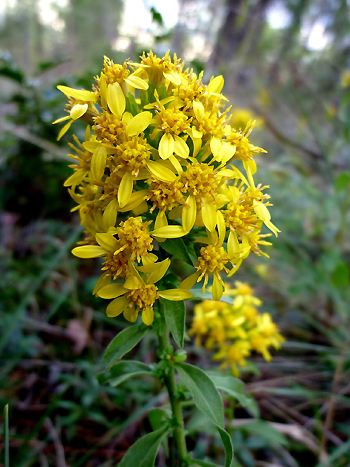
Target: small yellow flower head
[[235, 329], [161, 159]]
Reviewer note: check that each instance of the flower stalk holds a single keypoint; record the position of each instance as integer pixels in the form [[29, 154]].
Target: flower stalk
[[180, 456]]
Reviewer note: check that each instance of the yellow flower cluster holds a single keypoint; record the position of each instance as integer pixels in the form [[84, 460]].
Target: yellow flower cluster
[[235, 330], [160, 160]]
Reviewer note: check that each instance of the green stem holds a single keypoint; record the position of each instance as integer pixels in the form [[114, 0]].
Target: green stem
[[170, 383]]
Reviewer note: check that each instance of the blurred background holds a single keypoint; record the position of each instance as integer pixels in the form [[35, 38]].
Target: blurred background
[[287, 65]]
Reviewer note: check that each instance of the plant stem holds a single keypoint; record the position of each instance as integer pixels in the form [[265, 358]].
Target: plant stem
[[170, 383]]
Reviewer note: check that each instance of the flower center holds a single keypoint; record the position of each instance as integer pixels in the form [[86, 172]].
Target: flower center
[[134, 238], [173, 121], [213, 259], [108, 128], [133, 155], [116, 265], [201, 181], [165, 195], [144, 297]]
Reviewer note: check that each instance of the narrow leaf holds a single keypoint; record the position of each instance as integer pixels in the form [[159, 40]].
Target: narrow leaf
[[227, 442], [175, 316], [121, 344], [143, 453], [125, 370], [204, 393]]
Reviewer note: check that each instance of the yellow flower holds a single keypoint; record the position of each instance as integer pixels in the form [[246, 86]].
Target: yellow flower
[[139, 294], [160, 161], [235, 328]]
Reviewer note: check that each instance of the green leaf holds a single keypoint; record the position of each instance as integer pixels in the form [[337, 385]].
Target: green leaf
[[175, 316], [264, 430], [199, 463], [124, 370], [123, 343], [340, 275], [157, 417], [227, 442], [235, 388], [204, 393], [178, 248], [131, 104], [342, 181], [143, 453]]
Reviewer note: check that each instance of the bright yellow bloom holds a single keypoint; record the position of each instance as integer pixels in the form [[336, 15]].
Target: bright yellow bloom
[[235, 329], [160, 160]]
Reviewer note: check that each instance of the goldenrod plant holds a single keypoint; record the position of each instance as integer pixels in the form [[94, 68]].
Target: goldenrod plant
[[164, 186], [235, 328]]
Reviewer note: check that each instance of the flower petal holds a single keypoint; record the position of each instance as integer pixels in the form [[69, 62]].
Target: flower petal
[[159, 271], [190, 281], [88, 251], [147, 315], [136, 82], [216, 84], [107, 241], [180, 148], [116, 307], [64, 130], [160, 172], [175, 295], [78, 110], [189, 213], [111, 291], [79, 94], [125, 189], [139, 123], [218, 287], [116, 99], [173, 77], [166, 146], [110, 213], [169, 231], [209, 216], [98, 163]]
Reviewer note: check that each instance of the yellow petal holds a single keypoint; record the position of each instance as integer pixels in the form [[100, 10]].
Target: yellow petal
[[264, 214], [180, 147], [198, 109], [173, 77], [166, 146], [98, 163], [161, 220], [161, 172], [116, 307], [116, 99], [109, 216], [136, 198], [196, 134], [147, 315], [75, 178], [139, 123], [209, 216], [136, 82], [111, 291], [88, 251], [216, 84], [78, 110], [158, 271], [79, 94], [125, 189], [149, 259], [233, 248], [220, 221], [218, 288], [103, 90], [62, 119], [64, 130], [170, 231], [175, 295], [107, 241], [189, 213], [130, 314], [101, 282], [176, 164], [133, 282], [190, 281]]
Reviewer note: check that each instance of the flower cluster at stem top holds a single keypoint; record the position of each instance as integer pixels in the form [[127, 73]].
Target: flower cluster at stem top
[[234, 330], [161, 159]]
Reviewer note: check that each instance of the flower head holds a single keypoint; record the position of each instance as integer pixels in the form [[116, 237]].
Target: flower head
[[235, 329], [161, 159]]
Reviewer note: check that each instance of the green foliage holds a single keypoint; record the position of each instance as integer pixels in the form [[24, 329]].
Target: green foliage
[[143, 453], [175, 318], [123, 342]]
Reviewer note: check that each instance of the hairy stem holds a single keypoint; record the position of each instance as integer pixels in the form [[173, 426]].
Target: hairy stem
[[170, 383]]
